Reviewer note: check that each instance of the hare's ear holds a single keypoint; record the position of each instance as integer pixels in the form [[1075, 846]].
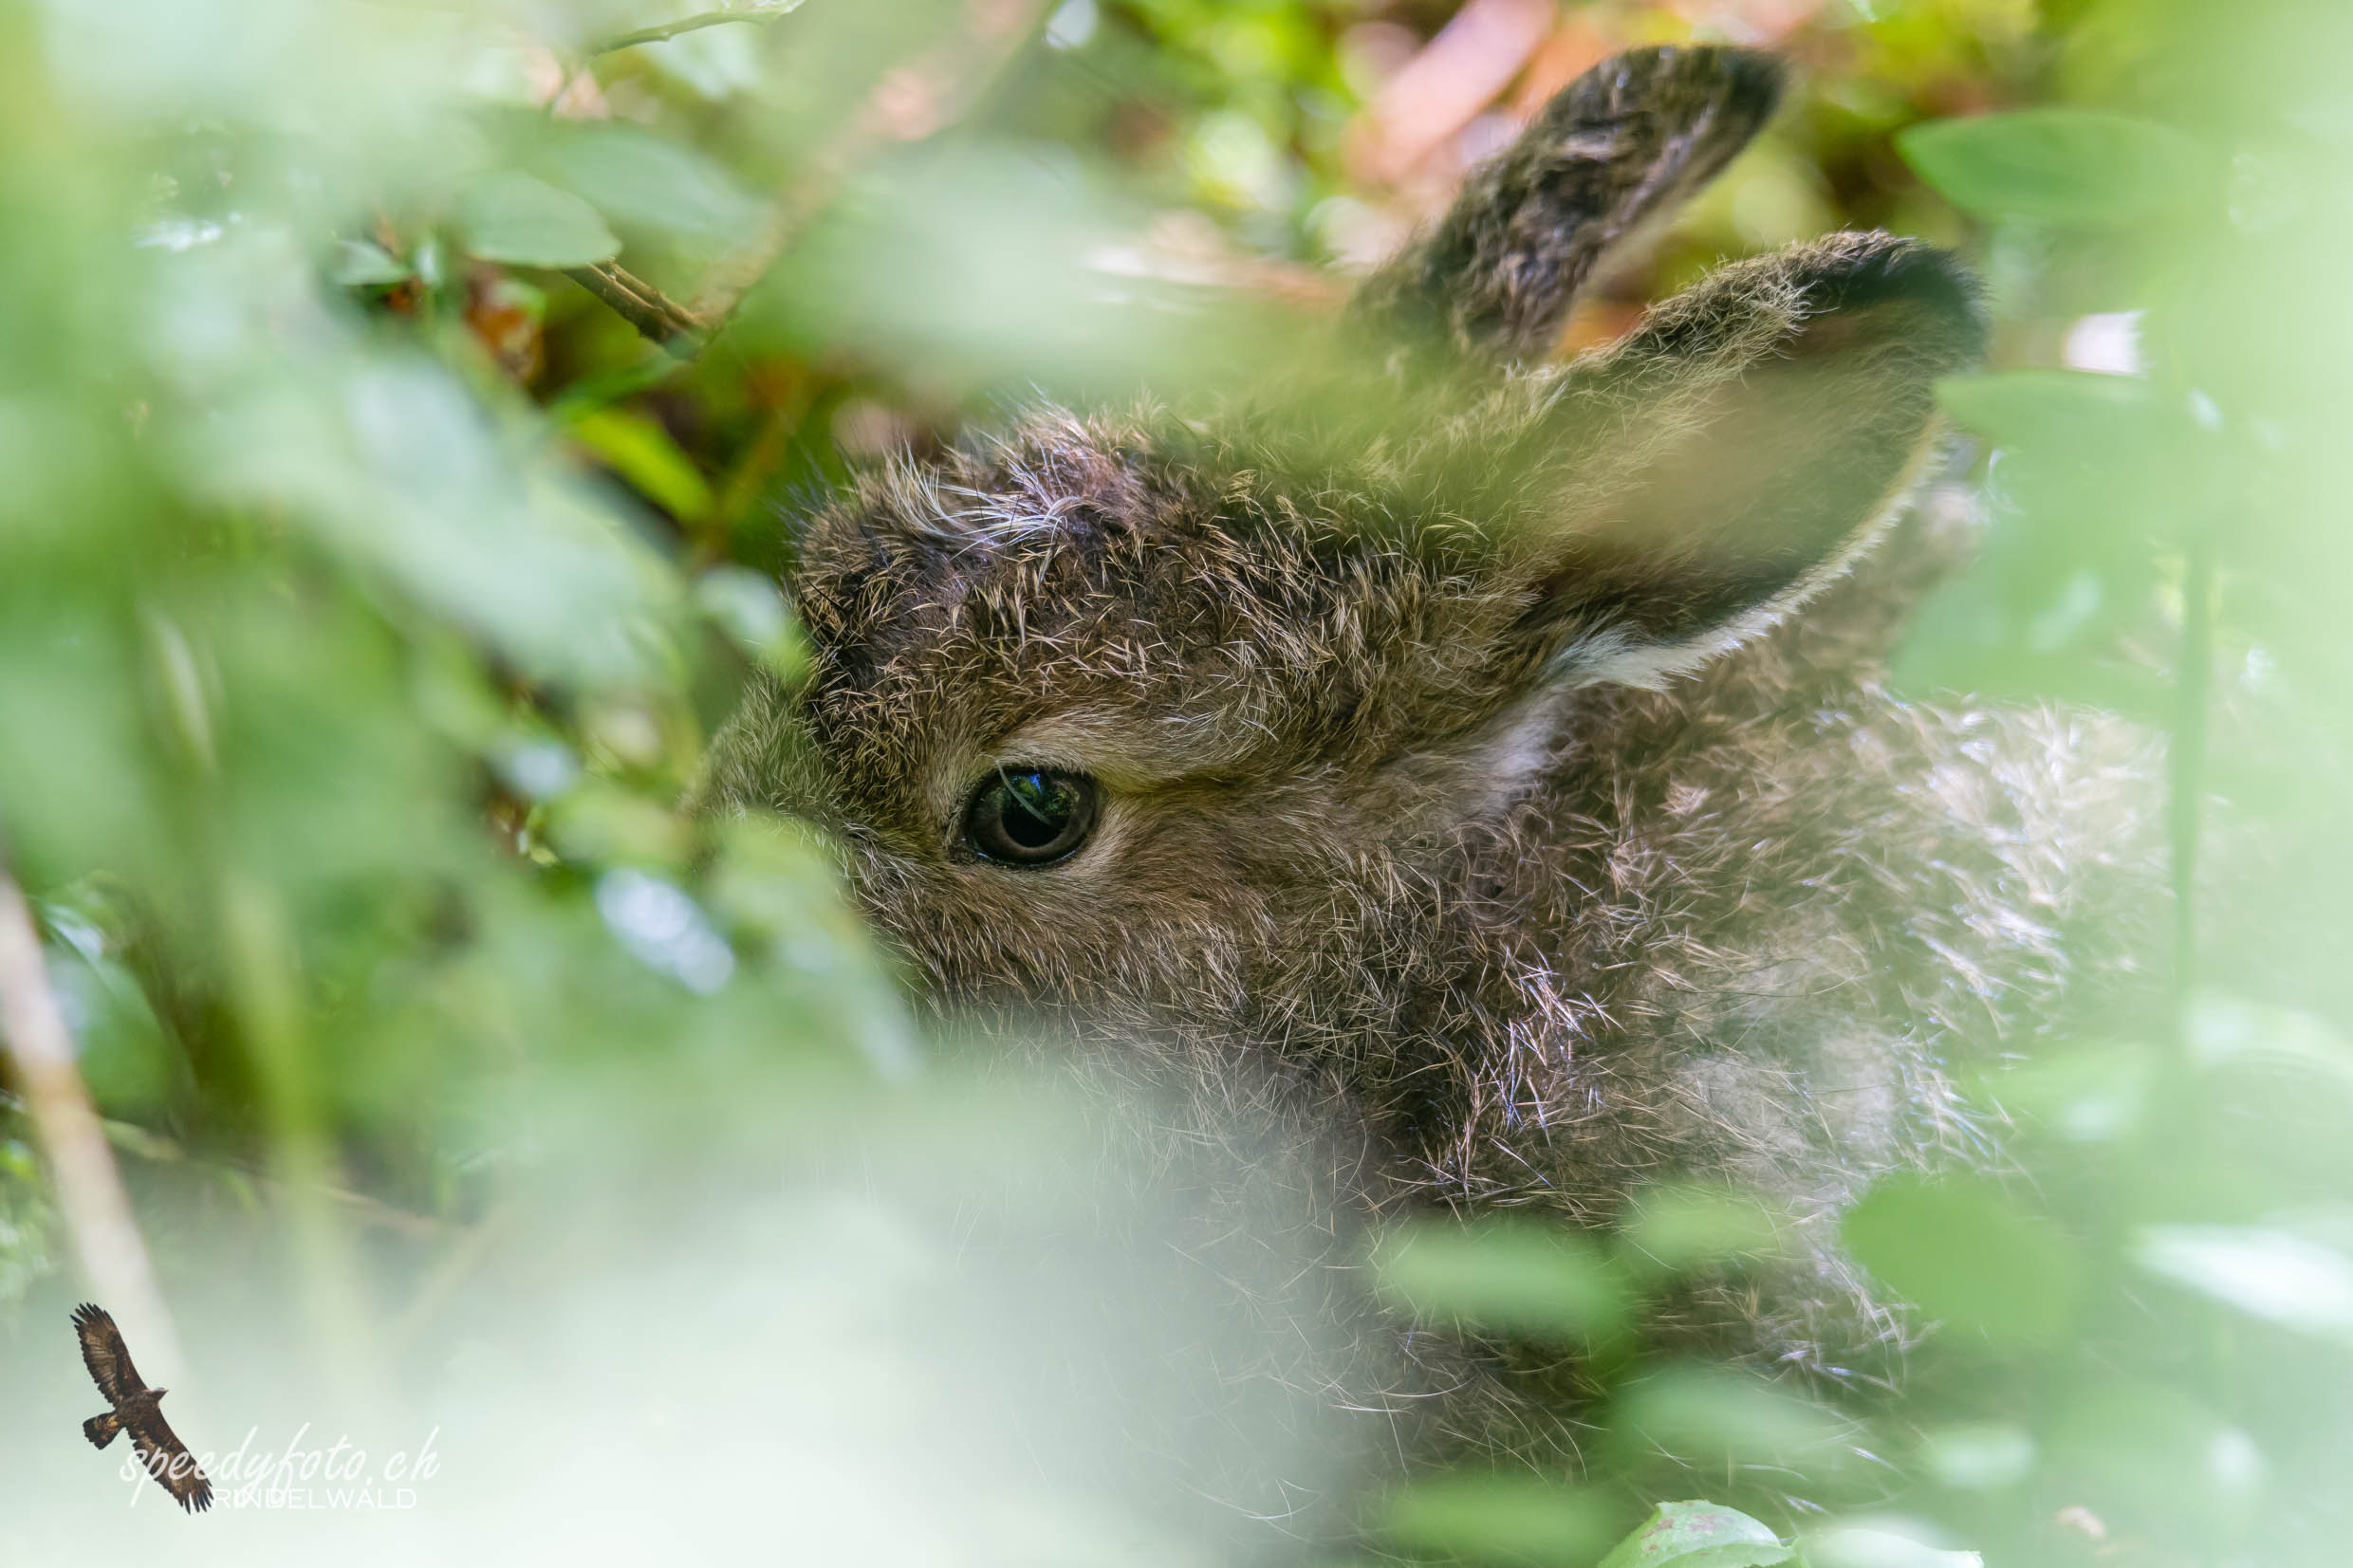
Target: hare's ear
[[1708, 473], [1494, 279]]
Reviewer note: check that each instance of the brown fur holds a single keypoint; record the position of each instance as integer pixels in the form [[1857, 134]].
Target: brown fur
[[1501, 792]]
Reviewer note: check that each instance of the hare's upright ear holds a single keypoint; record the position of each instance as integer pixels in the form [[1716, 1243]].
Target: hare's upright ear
[[1494, 279], [1703, 477]]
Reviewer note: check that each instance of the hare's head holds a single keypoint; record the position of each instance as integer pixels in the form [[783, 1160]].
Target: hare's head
[[1145, 715]]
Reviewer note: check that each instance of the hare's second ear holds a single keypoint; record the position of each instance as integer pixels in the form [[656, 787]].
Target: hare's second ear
[[1493, 278], [1735, 452]]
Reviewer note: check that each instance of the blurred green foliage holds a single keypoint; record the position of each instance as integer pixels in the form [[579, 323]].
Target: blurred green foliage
[[368, 589]]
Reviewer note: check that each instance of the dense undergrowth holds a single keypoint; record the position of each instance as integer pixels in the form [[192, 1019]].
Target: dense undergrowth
[[399, 406]]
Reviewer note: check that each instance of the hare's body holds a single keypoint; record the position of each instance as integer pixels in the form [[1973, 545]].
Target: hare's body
[[1448, 775]]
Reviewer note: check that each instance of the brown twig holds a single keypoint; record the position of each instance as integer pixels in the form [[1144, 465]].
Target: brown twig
[[658, 319], [90, 1193]]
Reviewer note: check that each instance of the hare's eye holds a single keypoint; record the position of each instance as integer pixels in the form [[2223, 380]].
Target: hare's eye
[[1031, 817]]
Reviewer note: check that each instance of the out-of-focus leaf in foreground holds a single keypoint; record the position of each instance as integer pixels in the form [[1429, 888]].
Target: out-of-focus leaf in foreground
[[2060, 166], [1718, 1419], [1524, 1276], [1869, 1546], [510, 216], [1498, 1519], [2273, 1275], [1958, 1250], [642, 178], [1698, 1535]]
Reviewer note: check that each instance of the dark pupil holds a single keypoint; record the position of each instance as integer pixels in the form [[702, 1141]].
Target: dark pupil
[[1037, 809], [1031, 816]]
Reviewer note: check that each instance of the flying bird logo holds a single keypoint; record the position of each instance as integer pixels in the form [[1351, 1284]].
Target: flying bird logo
[[138, 1410]]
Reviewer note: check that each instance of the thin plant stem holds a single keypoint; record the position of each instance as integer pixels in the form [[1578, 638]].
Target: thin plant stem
[[90, 1193], [266, 995], [663, 32], [658, 319], [2185, 759]]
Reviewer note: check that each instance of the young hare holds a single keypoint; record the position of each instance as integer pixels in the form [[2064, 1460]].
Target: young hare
[[1487, 774]]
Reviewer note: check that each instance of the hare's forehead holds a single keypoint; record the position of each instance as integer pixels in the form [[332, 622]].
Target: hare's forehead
[[1125, 654], [912, 719], [1019, 564]]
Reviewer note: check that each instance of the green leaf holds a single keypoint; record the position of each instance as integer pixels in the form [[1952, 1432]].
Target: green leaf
[[2051, 407], [644, 178], [1523, 1275], [601, 823], [1674, 1226], [2267, 1274], [2226, 1031], [2024, 624], [393, 469], [1861, 1546], [2095, 467], [773, 879], [512, 218], [751, 610], [1957, 1251], [1707, 1415], [363, 264], [640, 451], [2094, 472], [2072, 167], [1698, 1535], [1497, 1517], [1980, 1456], [121, 1046], [2087, 1094], [2153, 1449]]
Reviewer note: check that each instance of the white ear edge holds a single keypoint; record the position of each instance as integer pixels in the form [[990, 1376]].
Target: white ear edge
[[1611, 655]]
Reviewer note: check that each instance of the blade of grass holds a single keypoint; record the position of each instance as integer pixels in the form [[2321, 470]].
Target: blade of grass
[[266, 995]]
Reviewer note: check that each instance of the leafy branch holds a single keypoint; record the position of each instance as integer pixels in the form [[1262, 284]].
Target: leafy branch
[[907, 104]]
